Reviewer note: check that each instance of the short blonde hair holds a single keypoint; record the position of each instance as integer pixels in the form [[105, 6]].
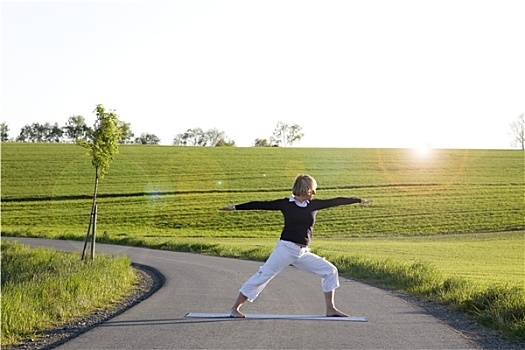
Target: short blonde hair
[[304, 185]]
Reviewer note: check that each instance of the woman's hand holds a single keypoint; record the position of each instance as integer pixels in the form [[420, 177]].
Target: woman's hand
[[228, 208], [366, 201]]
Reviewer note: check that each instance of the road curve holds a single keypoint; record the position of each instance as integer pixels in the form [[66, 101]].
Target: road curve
[[199, 283]]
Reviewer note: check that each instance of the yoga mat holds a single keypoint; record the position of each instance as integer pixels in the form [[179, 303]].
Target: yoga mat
[[286, 317]]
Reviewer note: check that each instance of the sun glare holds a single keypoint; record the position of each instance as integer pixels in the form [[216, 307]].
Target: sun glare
[[423, 150]]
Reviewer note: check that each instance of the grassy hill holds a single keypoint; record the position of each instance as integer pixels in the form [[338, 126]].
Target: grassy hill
[[175, 191]]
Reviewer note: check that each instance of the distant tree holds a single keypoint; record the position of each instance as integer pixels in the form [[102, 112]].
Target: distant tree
[[286, 134], [102, 145], [37, 132], [213, 136], [517, 128], [147, 139], [25, 134], [261, 143], [76, 128], [278, 134], [294, 133], [32, 133], [192, 137], [127, 134], [53, 133], [225, 143], [4, 132], [199, 137], [178, 140]]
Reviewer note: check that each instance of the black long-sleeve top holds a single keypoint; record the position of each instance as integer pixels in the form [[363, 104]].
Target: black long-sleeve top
[[298, 221]]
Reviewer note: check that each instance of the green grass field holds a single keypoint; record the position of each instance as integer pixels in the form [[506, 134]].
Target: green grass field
[[175, 191], [459, 212]]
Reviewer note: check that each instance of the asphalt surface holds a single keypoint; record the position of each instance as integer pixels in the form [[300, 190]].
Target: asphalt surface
[[205, 284]]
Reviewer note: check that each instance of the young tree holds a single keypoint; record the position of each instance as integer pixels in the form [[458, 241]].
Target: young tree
[[102, 145], [517, 128]]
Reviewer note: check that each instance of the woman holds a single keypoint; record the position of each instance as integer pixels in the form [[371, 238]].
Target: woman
[[299, 211]]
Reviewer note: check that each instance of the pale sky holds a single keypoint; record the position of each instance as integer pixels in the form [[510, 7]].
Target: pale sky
[[367, 73]]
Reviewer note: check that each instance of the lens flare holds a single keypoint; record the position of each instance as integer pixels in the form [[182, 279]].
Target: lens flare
[[423, 150]]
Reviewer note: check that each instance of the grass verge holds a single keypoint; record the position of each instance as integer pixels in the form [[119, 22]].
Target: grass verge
[[43, 288], [498, 307]]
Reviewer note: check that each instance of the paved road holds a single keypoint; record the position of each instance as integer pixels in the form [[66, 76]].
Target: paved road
[[197, 283]]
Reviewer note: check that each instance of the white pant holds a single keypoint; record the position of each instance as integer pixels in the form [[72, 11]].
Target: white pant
[[285, 254]]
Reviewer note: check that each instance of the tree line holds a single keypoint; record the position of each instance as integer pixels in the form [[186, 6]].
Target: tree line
[[284, 134], [76, 129]]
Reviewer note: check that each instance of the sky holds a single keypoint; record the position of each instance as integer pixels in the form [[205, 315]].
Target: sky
[[374, 73]]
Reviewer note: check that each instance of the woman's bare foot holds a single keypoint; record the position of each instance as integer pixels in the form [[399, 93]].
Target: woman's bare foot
[[335, 313], [236, 314], [331, 310]]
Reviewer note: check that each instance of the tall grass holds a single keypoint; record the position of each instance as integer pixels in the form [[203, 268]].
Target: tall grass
[[501, 308], [42, 288]]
